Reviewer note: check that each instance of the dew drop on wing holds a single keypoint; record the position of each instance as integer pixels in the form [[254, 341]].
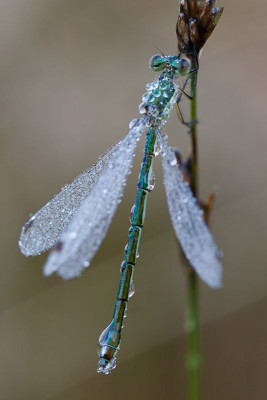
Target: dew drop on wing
[[173, 161]]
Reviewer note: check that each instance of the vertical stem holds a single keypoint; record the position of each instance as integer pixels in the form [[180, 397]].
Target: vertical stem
[[193, 135], [193, 357], [192, 320]]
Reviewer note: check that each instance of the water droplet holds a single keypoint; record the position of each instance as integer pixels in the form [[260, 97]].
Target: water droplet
[[104, 334], [145, 97], [122, 266], [150, 109], [166, 95], [73, 235], [132, 213], [86, 264], [131, 289], [142, 108], [173, 162], [156, 150], [133, 123], [164, 136], [152, 180], [219, 254], [137, 255], [157, 93]]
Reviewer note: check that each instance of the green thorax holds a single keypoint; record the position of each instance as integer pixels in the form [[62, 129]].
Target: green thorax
[[159, 98]]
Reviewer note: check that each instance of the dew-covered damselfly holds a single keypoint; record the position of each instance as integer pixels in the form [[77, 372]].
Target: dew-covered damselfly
[[76, 220]]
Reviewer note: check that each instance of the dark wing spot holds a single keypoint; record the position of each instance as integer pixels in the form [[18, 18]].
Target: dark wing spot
[[58, 246]]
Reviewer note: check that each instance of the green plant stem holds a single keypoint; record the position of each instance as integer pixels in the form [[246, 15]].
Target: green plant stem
[[193, 356], [192, 320], [193, 135]]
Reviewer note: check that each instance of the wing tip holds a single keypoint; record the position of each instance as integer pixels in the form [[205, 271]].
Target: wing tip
[[62, 269], [213, 278], [24, 246], [31, 242]]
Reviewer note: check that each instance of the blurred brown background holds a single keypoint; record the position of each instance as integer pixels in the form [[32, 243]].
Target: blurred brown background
[[71, 77]]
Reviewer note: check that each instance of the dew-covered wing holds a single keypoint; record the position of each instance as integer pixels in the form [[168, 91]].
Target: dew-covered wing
[[43, 229], [83, 236], [187, 220]]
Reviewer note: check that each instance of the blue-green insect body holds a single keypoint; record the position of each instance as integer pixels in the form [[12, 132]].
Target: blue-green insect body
[[157, 102]]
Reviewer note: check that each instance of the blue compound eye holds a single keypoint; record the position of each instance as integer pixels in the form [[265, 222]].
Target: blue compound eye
[[181, 66], [157, 62]]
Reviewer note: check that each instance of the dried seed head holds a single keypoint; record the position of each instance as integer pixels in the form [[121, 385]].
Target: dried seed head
[[196, 21]]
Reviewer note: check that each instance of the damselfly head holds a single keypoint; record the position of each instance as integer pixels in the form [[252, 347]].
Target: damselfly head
[[180, 66]]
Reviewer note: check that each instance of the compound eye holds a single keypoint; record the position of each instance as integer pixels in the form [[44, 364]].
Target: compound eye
[[157, 62], [181, 66]]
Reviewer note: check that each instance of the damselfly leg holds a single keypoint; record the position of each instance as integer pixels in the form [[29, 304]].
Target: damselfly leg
[[188, 93]]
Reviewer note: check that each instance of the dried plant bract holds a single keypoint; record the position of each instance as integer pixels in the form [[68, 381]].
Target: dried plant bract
[[196, 21]]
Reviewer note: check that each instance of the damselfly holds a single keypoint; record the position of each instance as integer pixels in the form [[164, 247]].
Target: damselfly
[[76, 220]]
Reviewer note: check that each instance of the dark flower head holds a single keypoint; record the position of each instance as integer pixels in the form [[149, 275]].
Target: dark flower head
[[196, 21]]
